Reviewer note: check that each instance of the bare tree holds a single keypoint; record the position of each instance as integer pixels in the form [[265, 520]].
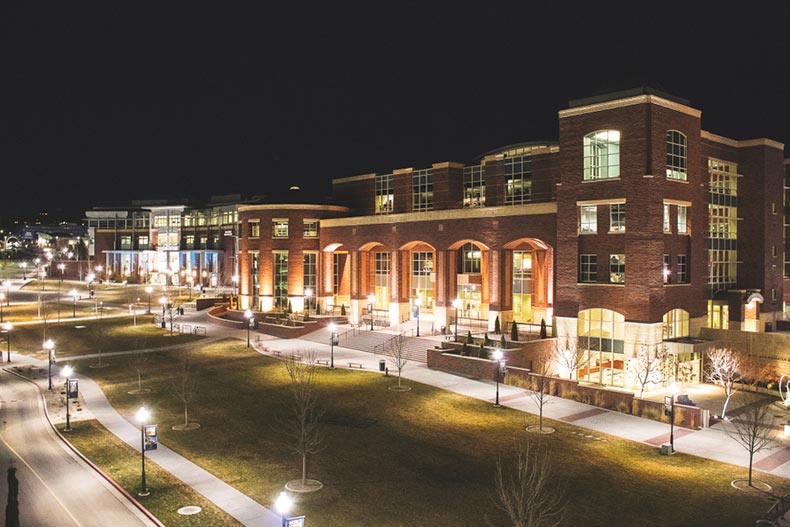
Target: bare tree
[[568, 356], [646, 365], [724, 366], [140, 363], [397, 355], [185, 387], [752, 428], [303, 428], [524, 490], [540, 382]]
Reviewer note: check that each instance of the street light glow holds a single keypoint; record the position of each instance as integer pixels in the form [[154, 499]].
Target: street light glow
[[283, 504], [143, 415], [66, 371]]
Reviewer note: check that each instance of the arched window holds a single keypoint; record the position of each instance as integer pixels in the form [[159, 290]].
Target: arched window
[[676, 323], [602, 155], [470, 258], [602, 337], [676, 155]]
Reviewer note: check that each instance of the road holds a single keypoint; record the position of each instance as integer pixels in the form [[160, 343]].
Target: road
[[55, 486]]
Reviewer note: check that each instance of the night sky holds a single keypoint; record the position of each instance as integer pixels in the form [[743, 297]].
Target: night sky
[[110, 102]]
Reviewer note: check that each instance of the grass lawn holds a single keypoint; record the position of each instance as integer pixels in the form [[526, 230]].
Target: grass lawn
[[122, 463], [424, 457], [89, 336]]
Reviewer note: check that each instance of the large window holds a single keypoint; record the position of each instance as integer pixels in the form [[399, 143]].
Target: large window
[[382, 280], [682, 219], [421, 283], [588, 219], [723, 265], [601, 335], [676, 155], [617, 217], [602, 155], [475, 186], [518, 180], [310, 274], [311, 228], [682, 269], [280, 280], [617, 268], [676, 323], [588, 268], [422, 190], [384, 195], [254, 229], [470, 258], [255, 278], [522, 286], [723, 221], [667, 223], [280, 228], [723, 177]]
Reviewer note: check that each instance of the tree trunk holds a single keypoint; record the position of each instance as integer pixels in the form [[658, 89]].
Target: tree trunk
[[398, 377], [751, 458], [304, 468], [726, 402], [186, 414], [541, 416]]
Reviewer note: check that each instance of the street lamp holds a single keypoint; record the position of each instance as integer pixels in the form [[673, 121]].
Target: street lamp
[[308, 294], [371, 299], [250, 322], [283, 505], [67, 371], [142, 417], [669, 410], [456, 306], [500, 366], [149, 290], [333, 340], [163, 301], [417, 302], [74, 295], [7, 327], [49, 345]]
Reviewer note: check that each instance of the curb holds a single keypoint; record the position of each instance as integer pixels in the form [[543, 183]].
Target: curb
[[111, 481]]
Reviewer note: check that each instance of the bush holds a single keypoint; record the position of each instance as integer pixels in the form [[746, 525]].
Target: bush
[[482, 353], [503, 342], [464, 350], [486, 340], [543, 328], [289, 309], [514, 332], [342, 310], [497, 327], [469, 339]]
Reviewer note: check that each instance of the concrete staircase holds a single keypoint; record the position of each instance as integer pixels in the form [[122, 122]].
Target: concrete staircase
[[414, 348]]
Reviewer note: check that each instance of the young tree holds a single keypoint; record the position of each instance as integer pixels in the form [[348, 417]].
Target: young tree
[[646, 366], [469, 339], [540, 383], [543, 332], [482, 353], [303, 427], [525, 491], [140, 362], [753, 427], [185, 387], [397, 356], [569, 357], [724, 366], [497, 326]]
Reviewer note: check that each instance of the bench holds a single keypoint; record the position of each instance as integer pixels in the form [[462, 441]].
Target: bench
[[276, 352], [325, 362], [355, 365]]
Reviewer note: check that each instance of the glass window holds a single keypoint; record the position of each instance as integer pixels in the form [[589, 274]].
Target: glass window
[[422, 190], [309, 277], [142, 242], [279, 228], [384, 196], [280, 280], [470, 258], [421, 283], [381, 280], [682, 269], [676, 323], [667, 269], [723, 177], [522, 286], [518, 180], [602, 337], [723, 221], [602, 155], [255, 229], [474, 186], [667, 224], [311, 228], [126, 242], [682, 219], [723, 267], [617, 217], [588, 222], [588, 268], [676, 155], [190, 241], [617, 268]]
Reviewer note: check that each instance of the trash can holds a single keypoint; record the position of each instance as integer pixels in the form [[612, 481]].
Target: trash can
[[768, 327], [382, 364]]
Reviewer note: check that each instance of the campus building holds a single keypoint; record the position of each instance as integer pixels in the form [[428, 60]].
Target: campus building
[[635, 228]]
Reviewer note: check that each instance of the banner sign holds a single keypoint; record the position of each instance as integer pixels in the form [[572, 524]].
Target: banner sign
[[295, 522], [668, 404], [72, 389], [150, 437]]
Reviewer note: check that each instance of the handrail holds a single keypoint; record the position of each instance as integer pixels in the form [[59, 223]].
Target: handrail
[[381, 345]]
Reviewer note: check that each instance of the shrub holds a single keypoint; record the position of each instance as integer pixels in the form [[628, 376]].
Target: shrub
[[464, 350], [318, 308], [514, 332], [486, 340], [482, 353], [342, 310], [469, 339], [497, 327], [543, 328], [289, 309], [503, 342]]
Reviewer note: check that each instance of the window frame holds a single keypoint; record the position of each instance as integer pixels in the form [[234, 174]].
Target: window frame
[[588, 268], [601, 155], [677, 155], [593, 224], [617, 268]]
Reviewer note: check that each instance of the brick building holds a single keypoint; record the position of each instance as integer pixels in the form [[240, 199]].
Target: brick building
[[635, 227]]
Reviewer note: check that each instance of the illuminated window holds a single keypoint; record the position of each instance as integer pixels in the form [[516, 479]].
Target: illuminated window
[[602, 338], [682, 219], [602, 155], [518, 180], [617, 268], [309, 277], [682, 269], [470, 258], [667, 224], [422, 190], [676, 155], [190, 241], [279, 228], [617, 217], [255, 229], [588, 268], [723, 222], [311, 228], [723, 177], [723, 267], [384, 195], [666, 269], [676, 323], [280, 280], [588, 219], [381, 280], [474, 186]]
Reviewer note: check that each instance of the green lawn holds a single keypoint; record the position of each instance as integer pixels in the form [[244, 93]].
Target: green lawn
[[424, 457], [122, 463]]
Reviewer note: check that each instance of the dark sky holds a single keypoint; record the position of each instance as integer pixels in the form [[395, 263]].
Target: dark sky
[[110, 102]]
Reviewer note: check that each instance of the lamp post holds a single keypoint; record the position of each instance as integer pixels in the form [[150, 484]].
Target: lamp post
[[250, 322], [283, 505], [7, 327], [149, 290], [669, 409], [67, 373], [49, 345], [500, 364], [163, 301], [142, 417], [74, 296], [456, 305], [371, 299], [333, 340], [417, 302], [308, 294]]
